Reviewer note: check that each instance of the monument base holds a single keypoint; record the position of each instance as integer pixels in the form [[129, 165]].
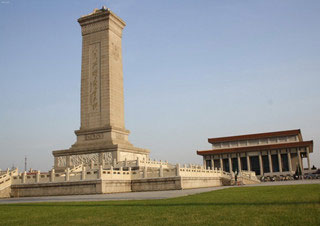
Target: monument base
[[112, 186], [97, 155], [99, 146]]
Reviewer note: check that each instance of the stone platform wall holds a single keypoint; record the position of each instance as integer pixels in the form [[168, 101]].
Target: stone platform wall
[[59, 188], [111, 186], [5, 193], [71, 188], [200, 182], [175, 183], [157, 184], [116, 186]]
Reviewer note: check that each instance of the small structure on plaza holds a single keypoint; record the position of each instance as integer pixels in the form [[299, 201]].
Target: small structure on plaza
[[267, 154]]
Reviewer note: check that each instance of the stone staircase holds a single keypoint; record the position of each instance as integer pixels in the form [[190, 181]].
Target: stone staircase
[[244, 178], [5, 182]]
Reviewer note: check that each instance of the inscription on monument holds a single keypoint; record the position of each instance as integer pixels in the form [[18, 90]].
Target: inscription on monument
[[115, 51], [94, 136], [94, 77]]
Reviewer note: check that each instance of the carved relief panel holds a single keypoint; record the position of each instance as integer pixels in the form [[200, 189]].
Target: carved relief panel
[[94, 77], [107, 157], [62, 161], [85, 159]]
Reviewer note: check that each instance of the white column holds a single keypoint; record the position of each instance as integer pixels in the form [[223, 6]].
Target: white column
[[279, 160], [204, 162], [221, 162], [270, 162], [260, 163], [248, 163], [212, 162], [299, 159], [239, 163], [230, 163], [289, 160], [308, 159]]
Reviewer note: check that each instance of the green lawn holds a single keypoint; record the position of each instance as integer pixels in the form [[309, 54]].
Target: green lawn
[[272, 205]]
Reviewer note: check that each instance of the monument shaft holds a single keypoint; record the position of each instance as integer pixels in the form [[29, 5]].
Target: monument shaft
[[101, 74], [102, 102]]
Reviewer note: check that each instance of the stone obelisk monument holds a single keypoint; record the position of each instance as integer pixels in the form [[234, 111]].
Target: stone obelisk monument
[[102, 137]]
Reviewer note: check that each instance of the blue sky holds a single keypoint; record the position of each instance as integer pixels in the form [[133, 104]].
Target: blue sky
[[192, 70]]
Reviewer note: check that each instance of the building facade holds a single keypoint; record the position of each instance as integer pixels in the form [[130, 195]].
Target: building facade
[[267, 154]]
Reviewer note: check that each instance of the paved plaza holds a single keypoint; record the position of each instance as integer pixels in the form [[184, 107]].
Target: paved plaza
[[141, 195]]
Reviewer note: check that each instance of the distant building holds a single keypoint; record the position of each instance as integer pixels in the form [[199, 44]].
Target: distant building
[[268, 154]]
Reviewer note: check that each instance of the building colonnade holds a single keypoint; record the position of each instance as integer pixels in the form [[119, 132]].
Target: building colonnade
[[260, 162]]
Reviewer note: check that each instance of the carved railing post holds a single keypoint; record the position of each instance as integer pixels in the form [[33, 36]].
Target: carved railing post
[[83, 173], [24, 177], [111, 171], [100, 172], [121, 171], [161, 171], [178, 170], [52, 175], [91, 164], [68, 174], [145, 172], [38, 177]]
